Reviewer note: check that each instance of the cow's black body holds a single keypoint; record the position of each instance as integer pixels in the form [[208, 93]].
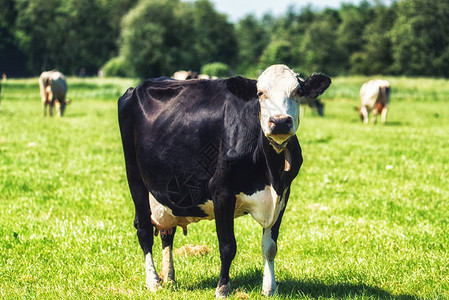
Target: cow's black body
[[187, 142], [180, 132]]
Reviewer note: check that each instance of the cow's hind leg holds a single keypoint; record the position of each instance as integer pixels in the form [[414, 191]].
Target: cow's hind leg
[[44, 108], [50, 111], [269, 250], [58, 108], [167, 270], [145, 229], [142, 221]]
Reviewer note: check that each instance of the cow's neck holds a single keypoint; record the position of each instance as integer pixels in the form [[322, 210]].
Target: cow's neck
[[278, 163]]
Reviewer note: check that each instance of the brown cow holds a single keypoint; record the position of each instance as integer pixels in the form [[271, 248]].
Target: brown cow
[[53, 87]]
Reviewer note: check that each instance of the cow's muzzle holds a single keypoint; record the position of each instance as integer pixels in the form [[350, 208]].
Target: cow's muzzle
[[281, 129], [280, 125]]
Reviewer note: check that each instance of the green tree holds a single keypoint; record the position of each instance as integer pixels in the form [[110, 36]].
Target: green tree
[[319, 49], [350, 31], [375, 56], [67, 35], [162, 36], [36, 32], [251, 39], [12, 60], [86, 37], [156, 35], [420, 38], [214, 37]]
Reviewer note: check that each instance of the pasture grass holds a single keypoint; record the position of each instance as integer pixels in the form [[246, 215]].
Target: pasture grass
[[368, 216]]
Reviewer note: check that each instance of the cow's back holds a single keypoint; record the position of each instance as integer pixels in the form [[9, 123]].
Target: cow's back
[[58, 86]]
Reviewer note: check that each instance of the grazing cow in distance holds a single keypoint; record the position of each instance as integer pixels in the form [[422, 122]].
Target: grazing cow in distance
[[315, 104], [213, 149], [184, 75], [53, 87], [374, 97]]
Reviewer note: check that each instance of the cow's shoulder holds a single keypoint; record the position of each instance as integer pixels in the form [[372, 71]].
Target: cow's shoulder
[[243, 88]]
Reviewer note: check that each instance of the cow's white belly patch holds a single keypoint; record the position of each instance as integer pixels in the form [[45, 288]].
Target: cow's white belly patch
[[264, 206]]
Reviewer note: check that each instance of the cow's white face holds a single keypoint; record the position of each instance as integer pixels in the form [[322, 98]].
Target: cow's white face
[[279, 91]]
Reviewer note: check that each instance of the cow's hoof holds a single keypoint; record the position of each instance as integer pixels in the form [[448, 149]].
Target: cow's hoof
[[168, 280], [269, 292], [153, 286], [223, 291]]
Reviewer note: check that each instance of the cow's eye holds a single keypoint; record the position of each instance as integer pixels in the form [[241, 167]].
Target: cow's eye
[[259, 94]]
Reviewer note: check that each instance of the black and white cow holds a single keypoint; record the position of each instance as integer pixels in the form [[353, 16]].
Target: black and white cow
[[213, 149]]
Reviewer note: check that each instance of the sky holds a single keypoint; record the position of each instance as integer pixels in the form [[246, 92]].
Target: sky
[[237, 9]]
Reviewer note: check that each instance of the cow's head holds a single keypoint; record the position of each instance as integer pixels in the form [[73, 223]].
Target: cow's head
[[279, 90]]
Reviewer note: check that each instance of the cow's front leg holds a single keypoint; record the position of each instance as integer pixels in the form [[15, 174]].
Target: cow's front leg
[[364, 113], [224, 206], [167, 270], [269, 250]]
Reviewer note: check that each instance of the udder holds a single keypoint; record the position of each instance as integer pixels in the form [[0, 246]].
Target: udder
[[163, 218]]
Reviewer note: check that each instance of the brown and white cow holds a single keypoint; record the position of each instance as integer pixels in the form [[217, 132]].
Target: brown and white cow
[[374, 97], [53, 87]]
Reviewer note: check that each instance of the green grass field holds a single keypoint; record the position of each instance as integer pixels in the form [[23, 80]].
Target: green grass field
[[368, 216]]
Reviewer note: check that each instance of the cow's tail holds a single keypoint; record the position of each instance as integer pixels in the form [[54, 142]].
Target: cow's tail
[[383, 95]]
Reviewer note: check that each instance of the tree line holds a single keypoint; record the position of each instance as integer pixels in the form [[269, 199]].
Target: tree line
[[148, 38]]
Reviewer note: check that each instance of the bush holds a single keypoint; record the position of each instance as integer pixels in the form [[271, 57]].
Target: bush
[[116, 67], [217, 69]]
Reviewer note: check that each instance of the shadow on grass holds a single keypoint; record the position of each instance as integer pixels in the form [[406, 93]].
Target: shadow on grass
[[75, 115], [396, 123], [293, 288]]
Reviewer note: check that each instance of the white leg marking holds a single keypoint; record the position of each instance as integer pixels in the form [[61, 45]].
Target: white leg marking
[[269, 253], [364, 113], [223, 291], [152, 281], [167, 269]]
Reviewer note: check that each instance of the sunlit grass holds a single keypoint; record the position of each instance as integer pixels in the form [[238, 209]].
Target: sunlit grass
[[367, 218]]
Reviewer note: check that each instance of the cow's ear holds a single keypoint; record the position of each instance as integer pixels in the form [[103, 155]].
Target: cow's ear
[[315, 85], [242, 87]]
